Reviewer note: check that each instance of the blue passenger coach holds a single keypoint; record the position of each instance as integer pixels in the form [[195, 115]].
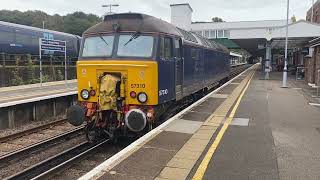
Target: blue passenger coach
[[21, 39]]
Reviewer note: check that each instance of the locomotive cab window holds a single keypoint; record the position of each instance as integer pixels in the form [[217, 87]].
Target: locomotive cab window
[[100, 46], [135, 46], [166, 48]]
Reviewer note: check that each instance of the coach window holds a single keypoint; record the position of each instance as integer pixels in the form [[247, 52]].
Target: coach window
[[23, 38], [6, 36], [166, 48], [177, 48], [194, 54]]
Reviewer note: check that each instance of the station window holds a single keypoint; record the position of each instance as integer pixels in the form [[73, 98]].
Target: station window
[[220, 34], [226, 33], [166, 48], [206, 34], [213, 34]]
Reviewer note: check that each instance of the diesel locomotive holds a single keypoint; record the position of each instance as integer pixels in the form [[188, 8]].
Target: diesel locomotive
[[133, 67]]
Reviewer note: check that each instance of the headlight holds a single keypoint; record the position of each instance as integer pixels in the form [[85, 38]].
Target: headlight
[[85, 94], [142, 97]]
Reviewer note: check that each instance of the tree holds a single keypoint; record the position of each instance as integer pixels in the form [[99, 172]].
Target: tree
[[293, 19], [217, 19], [75, 23]]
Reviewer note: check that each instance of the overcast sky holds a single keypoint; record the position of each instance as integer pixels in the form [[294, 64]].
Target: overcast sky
[[203, 10]]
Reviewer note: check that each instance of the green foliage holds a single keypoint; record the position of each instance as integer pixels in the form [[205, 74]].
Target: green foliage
[[293, 19], [17, 79], [217, 19], [75, 23], [45, 78], [60, 76], [31, 71]]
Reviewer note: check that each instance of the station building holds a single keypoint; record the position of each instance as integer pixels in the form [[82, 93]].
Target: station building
[[312, 61], [264, 39]]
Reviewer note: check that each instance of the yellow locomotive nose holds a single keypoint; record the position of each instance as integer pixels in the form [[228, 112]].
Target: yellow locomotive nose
[[140, 77]]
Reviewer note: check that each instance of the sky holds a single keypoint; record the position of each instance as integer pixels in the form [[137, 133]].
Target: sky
[[203, 10]]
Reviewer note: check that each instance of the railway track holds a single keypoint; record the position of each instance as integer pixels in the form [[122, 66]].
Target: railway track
[[30, 131], [31, 137], [23, 149], [43, 169]]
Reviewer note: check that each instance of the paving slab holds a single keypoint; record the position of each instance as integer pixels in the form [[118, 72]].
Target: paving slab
[[274, 136], [228, 89], [173, 153], [148, 161]]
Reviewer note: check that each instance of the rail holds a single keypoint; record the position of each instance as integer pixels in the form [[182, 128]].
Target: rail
[[53, 164]]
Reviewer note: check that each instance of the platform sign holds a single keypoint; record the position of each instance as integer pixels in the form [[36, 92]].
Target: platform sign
[[51, 45]]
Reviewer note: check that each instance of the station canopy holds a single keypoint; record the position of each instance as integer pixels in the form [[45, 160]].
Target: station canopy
[[299, 35]]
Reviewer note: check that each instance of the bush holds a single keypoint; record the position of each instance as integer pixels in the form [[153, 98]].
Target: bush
[[17, 79]]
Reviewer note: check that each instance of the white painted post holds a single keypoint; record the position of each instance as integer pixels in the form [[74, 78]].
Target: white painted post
[[65, 63], [285, 68], [40, 60]]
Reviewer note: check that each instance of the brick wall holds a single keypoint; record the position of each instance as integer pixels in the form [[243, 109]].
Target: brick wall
[[310, 69], [316, 13], [317, 65]]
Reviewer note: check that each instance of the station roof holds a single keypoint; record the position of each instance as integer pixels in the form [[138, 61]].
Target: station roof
[[237, 25], [227, 43], [300, 34]]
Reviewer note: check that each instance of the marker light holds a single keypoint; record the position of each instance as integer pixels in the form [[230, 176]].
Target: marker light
[[142, 97], [85, 94], [133, 94], [92, 92]]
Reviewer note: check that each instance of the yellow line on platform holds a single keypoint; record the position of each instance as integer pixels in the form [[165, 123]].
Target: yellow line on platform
[[205, 162]]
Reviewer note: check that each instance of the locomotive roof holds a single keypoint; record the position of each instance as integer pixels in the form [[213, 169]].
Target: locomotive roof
[[13, 25], [133, 22], [145, 23]]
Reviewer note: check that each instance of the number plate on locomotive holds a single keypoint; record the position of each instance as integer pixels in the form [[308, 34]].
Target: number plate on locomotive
[[138, 86]]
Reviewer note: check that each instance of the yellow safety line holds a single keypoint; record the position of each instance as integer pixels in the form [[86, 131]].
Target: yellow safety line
[[204, 164]]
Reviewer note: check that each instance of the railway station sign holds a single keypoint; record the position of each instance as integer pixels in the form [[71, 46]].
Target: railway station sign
[[52, 45]]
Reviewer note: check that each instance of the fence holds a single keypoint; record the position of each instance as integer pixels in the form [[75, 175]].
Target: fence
[[17, 69]]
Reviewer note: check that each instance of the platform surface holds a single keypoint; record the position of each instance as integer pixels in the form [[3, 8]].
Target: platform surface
[[250, 129], [18, 93]]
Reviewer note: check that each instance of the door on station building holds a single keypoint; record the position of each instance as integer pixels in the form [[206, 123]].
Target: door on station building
[[178, 57]]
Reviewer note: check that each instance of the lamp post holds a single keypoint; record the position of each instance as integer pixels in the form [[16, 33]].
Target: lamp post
[[110, 6], [285, 68]]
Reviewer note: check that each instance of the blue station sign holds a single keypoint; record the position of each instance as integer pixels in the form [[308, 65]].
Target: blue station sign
[[52, 45]]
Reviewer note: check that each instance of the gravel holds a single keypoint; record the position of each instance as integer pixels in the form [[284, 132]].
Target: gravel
[[32, 159], [26, 126]]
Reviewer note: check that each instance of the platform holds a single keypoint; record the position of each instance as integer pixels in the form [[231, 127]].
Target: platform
[[34, 92], [249, 128]]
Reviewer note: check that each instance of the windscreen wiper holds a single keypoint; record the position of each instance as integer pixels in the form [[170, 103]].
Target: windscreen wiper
[[100, 36], [134, 36]]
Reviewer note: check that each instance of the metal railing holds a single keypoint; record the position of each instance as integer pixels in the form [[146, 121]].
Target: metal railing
[[18, 69]]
